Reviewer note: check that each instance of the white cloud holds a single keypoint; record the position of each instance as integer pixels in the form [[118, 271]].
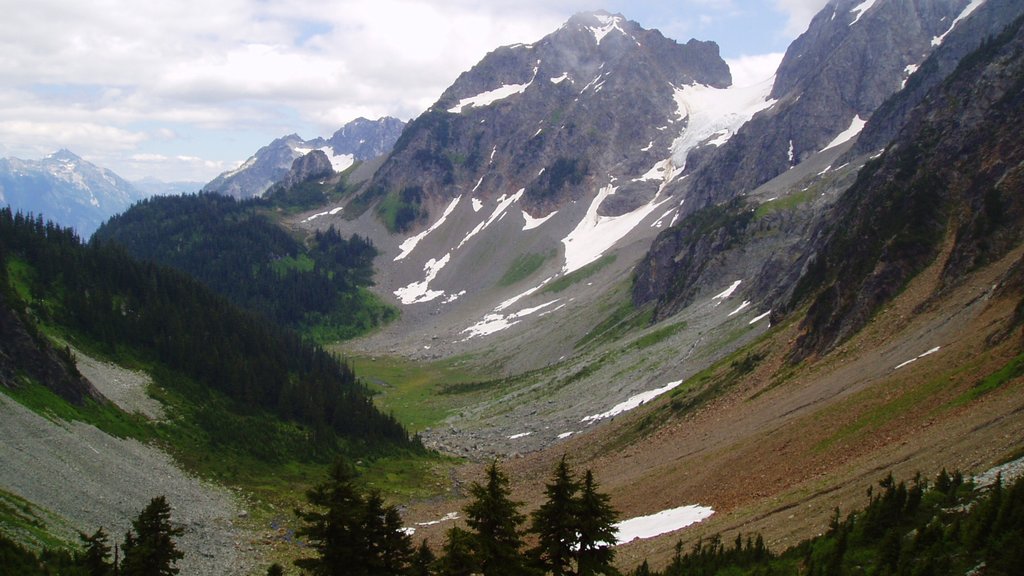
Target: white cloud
[[799, 13], [749, 70]]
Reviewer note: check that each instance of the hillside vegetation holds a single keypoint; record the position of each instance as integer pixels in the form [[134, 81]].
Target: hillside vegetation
[[195, 342], [239, 250]]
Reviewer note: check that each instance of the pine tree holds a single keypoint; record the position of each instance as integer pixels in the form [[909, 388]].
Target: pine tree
[[556, 523], [423, 560], [335, 528], [495, 519], [458, 557], [596, 525], [353, 534], [149, 550], [95, 558]]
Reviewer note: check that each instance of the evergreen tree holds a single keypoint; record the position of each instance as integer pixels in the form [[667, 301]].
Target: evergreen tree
[[275, 569], [95, 558], [459, 558], [334, 528], [423, 560], [149, 549], [556, 523], [495, 520], [596, 526], [353, 534]]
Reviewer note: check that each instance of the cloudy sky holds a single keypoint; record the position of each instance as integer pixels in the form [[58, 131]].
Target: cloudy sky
[[186, 89]]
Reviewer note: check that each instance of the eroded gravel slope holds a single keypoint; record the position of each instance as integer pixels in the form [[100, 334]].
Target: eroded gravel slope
[[92, 479]]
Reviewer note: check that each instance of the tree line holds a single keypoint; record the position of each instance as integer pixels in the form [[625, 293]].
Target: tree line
[[352, 533], [101, 294], [238, 250]]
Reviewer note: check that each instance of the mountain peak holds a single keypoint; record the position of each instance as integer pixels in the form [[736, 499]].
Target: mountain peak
[[63, 155], [599, 23]]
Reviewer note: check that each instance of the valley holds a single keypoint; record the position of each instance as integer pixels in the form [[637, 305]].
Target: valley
[[739, 305]]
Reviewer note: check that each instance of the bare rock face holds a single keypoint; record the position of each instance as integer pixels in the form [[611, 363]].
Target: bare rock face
[[833, 73]]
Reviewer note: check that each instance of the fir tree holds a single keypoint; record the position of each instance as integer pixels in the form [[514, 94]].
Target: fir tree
[[95, 558], [423, 560], [353, 534], [149, 549], [556, 523], [334, 529], [459, 558], [496, 519], [596, 529]]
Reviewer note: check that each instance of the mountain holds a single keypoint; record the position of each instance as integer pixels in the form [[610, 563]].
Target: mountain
[[781, 238], [357, 141], [594, 102], [65, 188], [559, 163]]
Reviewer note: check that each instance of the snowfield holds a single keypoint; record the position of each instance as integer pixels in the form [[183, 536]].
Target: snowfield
[[661, 523]]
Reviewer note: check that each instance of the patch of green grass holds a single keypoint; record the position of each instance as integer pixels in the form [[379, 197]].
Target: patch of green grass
[[410, 390], [658, 336], [881, 414], [302, 263], [1013, 369], [579, 275], [522, 267], [785, 203]]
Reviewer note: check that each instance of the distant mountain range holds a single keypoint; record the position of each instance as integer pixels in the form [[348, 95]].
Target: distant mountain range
[[66, 189]]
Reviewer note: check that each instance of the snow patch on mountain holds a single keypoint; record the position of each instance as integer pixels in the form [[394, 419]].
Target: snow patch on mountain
[[971, 7], [339, 162], [856, 125], [724, 294], [661, 523], [503, 203], [632, 402], [713, 115], [419, 292], [595, 234], [532, 222], [496, 322], [608, 23], [860, 9], [492, 96], [410, 243]]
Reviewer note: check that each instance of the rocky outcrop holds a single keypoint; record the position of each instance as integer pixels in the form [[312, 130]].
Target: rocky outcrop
[[358, 140], [367, 139], [954, 171], [983, 23], [312, 166], [24, 352], [269, 165]]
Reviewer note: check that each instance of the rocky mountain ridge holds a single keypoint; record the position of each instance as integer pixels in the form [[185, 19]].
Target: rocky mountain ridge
[[357, 141]]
